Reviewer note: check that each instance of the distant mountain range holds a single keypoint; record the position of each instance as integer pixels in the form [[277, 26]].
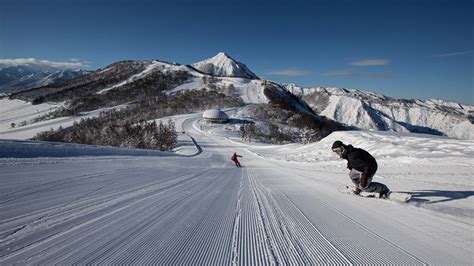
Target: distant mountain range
[[367, 110], [25, 76], [129, 81]]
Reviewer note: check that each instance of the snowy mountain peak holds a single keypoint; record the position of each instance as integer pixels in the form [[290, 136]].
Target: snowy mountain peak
[[221, 58], [224, 66], [223, 55]]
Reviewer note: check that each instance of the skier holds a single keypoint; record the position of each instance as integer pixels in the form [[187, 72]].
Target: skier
[[235, 160], [362, 168]]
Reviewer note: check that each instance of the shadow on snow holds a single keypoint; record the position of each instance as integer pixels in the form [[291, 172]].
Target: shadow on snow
[[445, 195]]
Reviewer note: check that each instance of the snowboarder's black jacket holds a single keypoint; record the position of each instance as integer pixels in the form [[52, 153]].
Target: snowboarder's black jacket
[[360, 160], [234, 157]]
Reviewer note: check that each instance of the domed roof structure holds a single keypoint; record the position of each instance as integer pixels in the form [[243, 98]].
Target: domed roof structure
[[215, 116]]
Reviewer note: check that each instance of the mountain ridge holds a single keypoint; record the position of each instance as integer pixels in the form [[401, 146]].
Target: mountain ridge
[[374, 111], [121, 81]]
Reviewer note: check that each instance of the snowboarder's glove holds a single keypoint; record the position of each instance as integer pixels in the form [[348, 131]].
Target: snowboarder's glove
[[356, 190], [363, 181]]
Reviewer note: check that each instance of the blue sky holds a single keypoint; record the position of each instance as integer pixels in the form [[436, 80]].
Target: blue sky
[[404, 49]]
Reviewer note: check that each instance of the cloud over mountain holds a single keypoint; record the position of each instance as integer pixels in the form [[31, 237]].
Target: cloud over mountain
[[452, 54], [72, 64], [371, 62]]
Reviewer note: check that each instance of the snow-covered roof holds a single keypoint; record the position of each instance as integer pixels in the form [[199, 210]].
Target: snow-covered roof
[[215, 114]]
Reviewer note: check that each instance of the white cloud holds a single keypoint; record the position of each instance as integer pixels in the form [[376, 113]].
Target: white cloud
[[73, 64], [351, 73], [290, 73], [452, 54], [371, 62]]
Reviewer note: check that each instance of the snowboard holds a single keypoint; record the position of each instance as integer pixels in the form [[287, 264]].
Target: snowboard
[[394, 196]]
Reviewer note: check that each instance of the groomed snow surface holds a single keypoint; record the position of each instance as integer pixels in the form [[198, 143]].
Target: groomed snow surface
[[68, 204]]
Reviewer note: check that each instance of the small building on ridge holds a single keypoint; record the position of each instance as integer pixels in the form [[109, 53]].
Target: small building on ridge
[[215, 116]]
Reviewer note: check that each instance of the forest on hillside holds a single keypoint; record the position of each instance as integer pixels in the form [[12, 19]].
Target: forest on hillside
[[135, 127]]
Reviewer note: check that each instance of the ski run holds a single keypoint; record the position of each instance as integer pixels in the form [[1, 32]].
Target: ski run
[[76, 204]]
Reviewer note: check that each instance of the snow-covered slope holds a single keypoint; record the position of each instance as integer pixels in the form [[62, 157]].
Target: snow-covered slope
[[366, 110], [150, 68], [15, 112], [17, 118], [223, 65], [250, 90], [70, 204]]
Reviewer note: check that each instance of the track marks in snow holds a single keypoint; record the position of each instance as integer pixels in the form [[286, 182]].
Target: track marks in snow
[[151, 212], [237, 221], [201, 235], [328, 236], [288, 236], [215, 216], [396, 254], [60, 222], [15, 195]]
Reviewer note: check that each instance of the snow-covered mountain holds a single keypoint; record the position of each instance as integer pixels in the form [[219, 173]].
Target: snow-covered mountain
[[222, 65], [15, 78], [141, 83], [128, 81], [367, 110]]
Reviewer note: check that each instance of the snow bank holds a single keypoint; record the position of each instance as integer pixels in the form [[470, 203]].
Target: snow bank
[[385, 146], [32, 149]]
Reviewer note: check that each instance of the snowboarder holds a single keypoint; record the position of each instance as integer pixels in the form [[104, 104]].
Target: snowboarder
[[235, 160], [362, 168]]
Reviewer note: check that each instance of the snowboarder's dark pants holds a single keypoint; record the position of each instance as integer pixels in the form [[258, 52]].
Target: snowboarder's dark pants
[[237, 163], [371, 186]]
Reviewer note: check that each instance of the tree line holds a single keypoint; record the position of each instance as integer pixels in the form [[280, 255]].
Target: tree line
[[143, 135], [134, 126]]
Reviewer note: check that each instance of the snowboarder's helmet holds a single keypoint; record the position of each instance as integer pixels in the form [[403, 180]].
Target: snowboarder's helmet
[[337, 144], [338, 147]]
